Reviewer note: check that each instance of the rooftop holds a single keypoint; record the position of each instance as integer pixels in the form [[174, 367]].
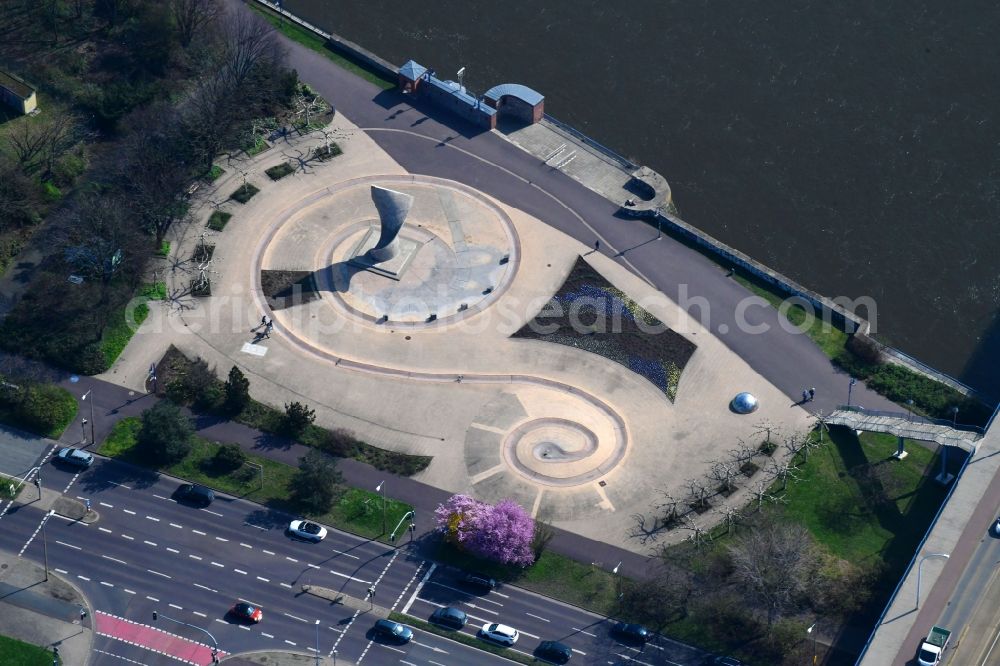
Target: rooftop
[[16, 85]]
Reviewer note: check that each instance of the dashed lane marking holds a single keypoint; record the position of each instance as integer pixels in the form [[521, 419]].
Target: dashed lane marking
[[417, 589], [114, 559], [104, 529], [285, 585], [240, 571], [159, 496], [537, 617], [267, 552], [106, 584], [155, 520], [266, 580], [199, 613], [294, 617], [246, 545], [199, 532], [291, 559], [220, 539], [173, 550], [118, 656], [83, 578], [216, 564], [152, 598], [214, 513], [266, 635], [176, 606], [289, 642], [128, 591], [585, 632], [205, 588], [68, 545], [180, 527], [125, 536], [110, 506], [149, 543], [157, 573], [129, 512], [62, 571], [195, 557]]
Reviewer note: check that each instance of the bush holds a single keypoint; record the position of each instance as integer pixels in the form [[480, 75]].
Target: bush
[[865, 350], [218, 220], [280, 171], [244, 193], [237, 391], [315, 484], [193, 383], [166, 433], [297, 418], [45, 409], [338, 442], [214, 173], [164, 249], [52, 193], [228, 458]]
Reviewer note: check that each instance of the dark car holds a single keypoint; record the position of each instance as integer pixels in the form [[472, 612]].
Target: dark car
[[631, 633], [553, 651], [393, 631], [247, 612], [192, 493], [75, 457], [449, 617], [479, 582]]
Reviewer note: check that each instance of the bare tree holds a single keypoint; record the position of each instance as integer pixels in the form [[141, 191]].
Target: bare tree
[[697, 494], [698, 536], [774, 564], [743, 454], [28, 144], [723, 472], [307, 104], [249, 42], [730, 514], [664, 596], [767, 429], [192, 17], [40, 142], [795, 443], [759, 489], [782, 470], [668, 508]]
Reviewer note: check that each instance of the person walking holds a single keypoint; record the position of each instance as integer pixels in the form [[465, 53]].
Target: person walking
[[268, 326], [597, 246], [805, 396], [812, 394]]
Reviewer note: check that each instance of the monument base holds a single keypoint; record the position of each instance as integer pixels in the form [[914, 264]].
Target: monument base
[[390, 268]]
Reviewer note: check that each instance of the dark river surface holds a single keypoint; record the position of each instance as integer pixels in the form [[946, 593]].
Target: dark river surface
[[853, 146]]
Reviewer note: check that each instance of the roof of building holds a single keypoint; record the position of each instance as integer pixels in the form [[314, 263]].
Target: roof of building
[[16, 85], [524, 93], [412, 70], [460, 92]]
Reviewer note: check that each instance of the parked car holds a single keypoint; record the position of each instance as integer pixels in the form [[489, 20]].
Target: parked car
[[192, 493], [553, 651], [996, 525], [479, 582], [75, 457], [247, 612], [630, 633], [393, 631], [309, 531], [449, 617], [499, 633]]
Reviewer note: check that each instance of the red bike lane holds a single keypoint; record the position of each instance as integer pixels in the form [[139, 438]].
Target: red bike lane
[[156, 640]]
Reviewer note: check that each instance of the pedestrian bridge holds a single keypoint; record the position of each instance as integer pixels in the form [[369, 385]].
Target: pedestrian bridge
[[905, 425]]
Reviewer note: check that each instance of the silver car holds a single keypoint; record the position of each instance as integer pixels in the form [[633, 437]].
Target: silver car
[[307, 530], [75, 457]]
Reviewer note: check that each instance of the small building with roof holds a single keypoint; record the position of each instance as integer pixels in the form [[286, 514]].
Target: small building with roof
[[516, 100], [14, 92]]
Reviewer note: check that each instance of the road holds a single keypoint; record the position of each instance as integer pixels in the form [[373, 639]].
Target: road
[[147, 552]]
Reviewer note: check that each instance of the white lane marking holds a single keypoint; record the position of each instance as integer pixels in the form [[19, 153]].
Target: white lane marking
[[125, 536], [157, 573], [213, 513], [69, 545], [120, 485], [152, 598], [267, 552], [62, 571], [285, 585], [175, 606], [204, 587], [199, 614], [337, 573], [537, 617], [266, 635], [455, 589], [585, 632], [216, 564], [220, 539], [128, 591], [257, 526], [199, 532], [389, 647], [240, 571], [500, 594], [173, 550], [294, 617], [155, 520], [266, 580], [291, 559], [149, 543], [180, 527], [313, 566], [106, 584], [110, 506], [633, 660], [114, 559], [129, 512], [579, 651], [289, 642], [195, 557], [159, 496], [83, 578], [220, 621], [340, 552], [246, 545], [104, 529], [480, 608], [243, 628]]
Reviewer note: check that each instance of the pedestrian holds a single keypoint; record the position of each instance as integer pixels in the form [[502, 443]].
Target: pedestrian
[[267, 328], [812, 394], [805, 396], [597, 246]]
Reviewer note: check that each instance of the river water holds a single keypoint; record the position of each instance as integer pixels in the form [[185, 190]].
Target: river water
[[852, 145]]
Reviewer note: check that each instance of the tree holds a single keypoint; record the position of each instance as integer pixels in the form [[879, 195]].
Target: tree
[[297, 418], [544, 532], [166, 433], [723, 472], [99, 238], [661, 598], [774, 564], [314, 486], [502, 532], [191, 17], [228, 457], [237, 391]]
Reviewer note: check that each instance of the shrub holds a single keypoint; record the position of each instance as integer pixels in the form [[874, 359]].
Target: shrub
[[214, 173], [297, 418], [315, 484], [280, 171], [865, 349], [45, 408], [244, 193], [217, 221], [166, 433], [338, 443], [237, 391], [164, 249], [228, 457], [52, 193]]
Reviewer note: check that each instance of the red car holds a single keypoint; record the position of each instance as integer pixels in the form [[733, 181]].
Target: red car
[[247, 612]]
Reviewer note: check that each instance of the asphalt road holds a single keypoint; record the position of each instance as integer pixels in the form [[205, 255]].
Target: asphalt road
[[148, 552]]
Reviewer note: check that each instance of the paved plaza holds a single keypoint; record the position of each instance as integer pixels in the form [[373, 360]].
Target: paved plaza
[[425, 363]]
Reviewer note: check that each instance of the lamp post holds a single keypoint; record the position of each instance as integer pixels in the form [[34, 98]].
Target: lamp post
[[215, 643], [317, 642], [83, 431], [909, 410], [407, 516], [850, 385], [86, 395], [618, 583], [809, 631], [954, 416], [380, 488], [920, 567], [45, 543]]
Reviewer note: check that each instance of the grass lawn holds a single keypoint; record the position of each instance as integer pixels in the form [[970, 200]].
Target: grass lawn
[[316, 43], [357, 511], [120, 328], [218, 220], [827, 337], [244, 193], [213, 174], [279, 171], [18, 653], [164, 249], [459, 637]]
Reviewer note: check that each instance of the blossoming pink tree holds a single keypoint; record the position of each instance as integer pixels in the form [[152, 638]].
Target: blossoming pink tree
[[501, 532]]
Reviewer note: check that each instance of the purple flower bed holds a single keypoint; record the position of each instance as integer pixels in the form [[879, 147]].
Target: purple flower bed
[[589, 313]]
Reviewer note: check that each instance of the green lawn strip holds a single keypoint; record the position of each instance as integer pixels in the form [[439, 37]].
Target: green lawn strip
[[218, 220], [119, 330], [213, 174], [259, 146], [154, 291], [318, 44], [279, 171], [465, 639], [357, 511], [827, 337], [18, 653], [244, 193]]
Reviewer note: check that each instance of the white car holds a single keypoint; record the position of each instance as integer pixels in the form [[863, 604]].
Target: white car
[[75, 457], [499, 633], [304, 529]]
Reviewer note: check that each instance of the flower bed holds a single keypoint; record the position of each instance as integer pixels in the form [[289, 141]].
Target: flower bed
[[590, 313]]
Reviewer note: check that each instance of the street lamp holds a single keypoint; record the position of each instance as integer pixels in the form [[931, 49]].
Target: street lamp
[[920, 566], [809, 631], [954, 416], [850, 385], [618, 582], [215, 643], [83, 431], [45, 543], [380, 488], [86, 395], [317, 642], [909, 410]]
